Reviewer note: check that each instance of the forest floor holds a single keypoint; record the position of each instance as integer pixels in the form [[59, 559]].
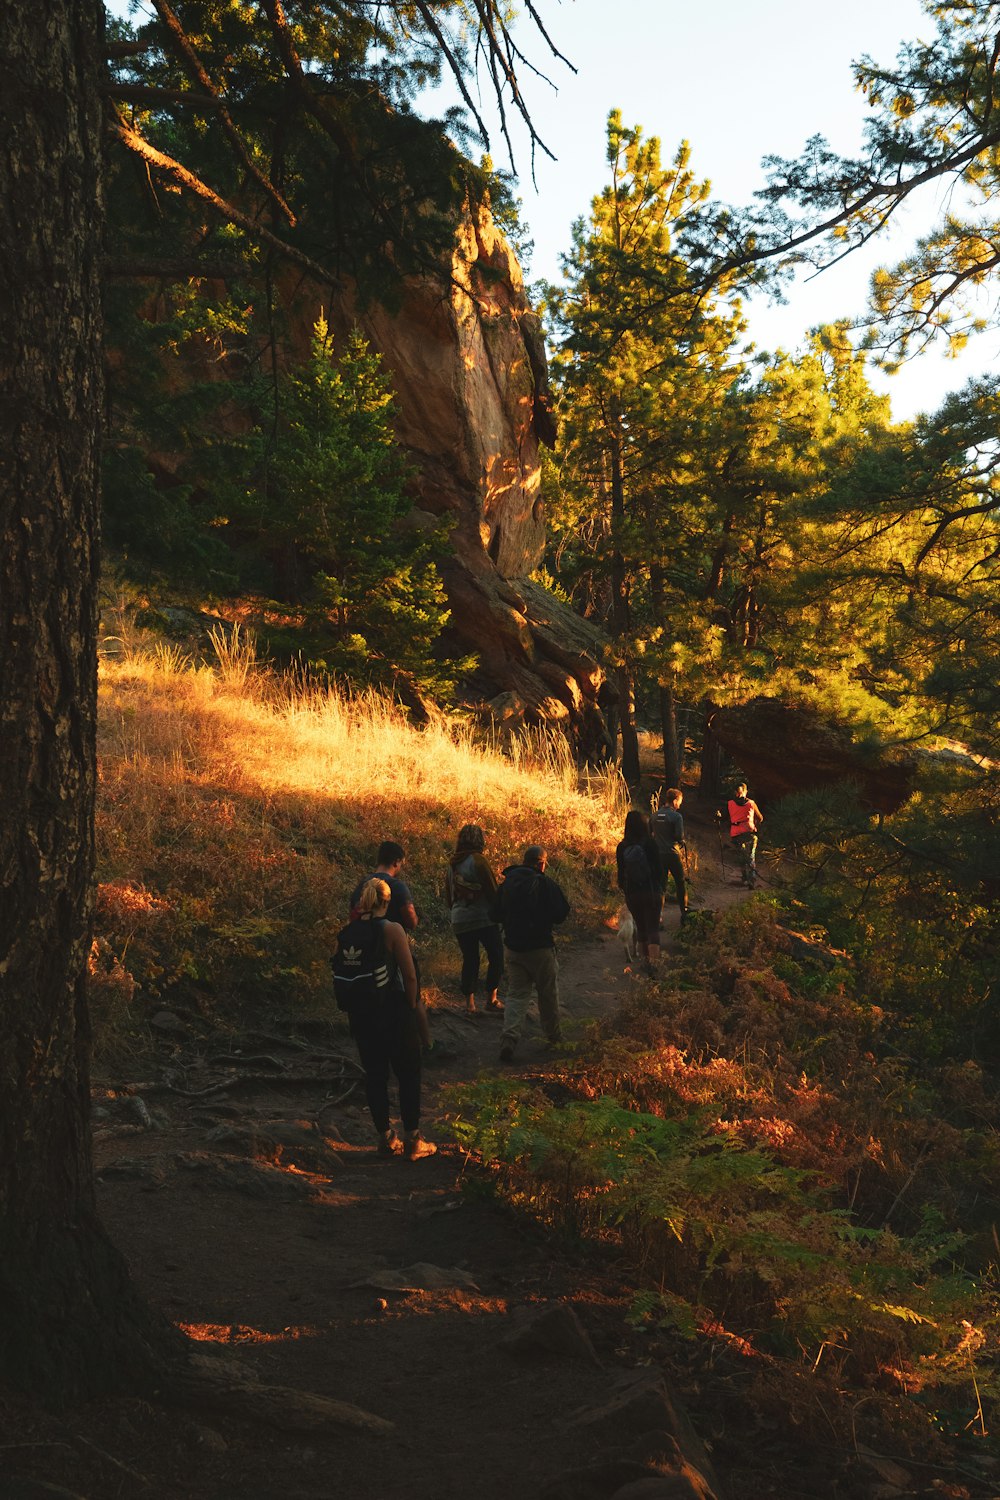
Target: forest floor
[[395, 1286]]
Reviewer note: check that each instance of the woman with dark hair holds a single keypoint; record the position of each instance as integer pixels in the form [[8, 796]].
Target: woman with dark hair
[[471, 890], [640, 878]]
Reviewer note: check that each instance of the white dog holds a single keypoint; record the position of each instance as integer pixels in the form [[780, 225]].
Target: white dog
[[626, 932]]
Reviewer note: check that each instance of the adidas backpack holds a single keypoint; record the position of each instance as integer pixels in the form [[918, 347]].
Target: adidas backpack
[[362, 966]]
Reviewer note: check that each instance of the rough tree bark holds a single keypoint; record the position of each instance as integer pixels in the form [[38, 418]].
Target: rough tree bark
[[69, 1323], [619, 613]]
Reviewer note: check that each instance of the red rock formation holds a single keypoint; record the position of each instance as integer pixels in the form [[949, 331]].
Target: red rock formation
[[784, 747], [465, 354], [467, 361]]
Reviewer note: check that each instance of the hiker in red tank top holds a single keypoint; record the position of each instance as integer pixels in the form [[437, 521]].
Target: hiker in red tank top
[[745, 818]]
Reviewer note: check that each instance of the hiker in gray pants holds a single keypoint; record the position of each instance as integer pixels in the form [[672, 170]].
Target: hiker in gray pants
[[531, 904]]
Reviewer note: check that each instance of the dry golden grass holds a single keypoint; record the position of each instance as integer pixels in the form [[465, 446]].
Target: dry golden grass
[[237, 810]]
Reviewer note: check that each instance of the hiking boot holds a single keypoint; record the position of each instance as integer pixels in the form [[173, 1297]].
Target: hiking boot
[[414, 1146], [389, 1144], [507, 1052]]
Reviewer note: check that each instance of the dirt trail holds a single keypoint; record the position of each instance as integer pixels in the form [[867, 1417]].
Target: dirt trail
[[285, 1261], [281, 1268]]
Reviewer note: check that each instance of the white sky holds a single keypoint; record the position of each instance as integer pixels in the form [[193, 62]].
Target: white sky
[[738, 79]]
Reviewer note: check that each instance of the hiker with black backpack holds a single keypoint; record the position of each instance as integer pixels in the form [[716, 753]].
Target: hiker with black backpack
[[470, 889], [666, 827], [389, 862], [640, 880], [376, 984], [531, 904]]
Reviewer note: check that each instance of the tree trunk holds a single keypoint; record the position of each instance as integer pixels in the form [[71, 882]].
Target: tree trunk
[[710, 772], [668, 701], [620, 618], [69, 1323], [668, 724]]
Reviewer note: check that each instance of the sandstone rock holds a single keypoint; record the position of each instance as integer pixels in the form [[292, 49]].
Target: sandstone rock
[[784, 747], [282, 1143], [552, 1329], [255, 1178], [640, 1404], [466, 357], [420, 1277], [464, 352]]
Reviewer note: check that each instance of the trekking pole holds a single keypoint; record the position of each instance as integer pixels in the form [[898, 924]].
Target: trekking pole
[[722, 848]]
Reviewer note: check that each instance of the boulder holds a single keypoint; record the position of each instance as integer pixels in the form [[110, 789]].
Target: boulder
[[783, 747], [466, 358], [551, 1329]]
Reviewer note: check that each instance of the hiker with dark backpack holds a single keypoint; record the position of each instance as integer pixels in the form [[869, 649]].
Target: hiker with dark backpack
[[376, 984], [531, 904], [389, 862], [470, 889], [666, 827], [640, 880]]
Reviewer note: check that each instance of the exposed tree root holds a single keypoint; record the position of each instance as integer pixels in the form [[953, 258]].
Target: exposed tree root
[[223, 1386]]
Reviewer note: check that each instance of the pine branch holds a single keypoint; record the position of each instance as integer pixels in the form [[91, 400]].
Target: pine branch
[[141, 93], [227, 211], [192, 65]]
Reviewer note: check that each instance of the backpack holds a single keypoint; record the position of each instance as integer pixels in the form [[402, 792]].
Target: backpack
[[636, 873], [519, 903], [661, 827], [465, 882], [362, 966]]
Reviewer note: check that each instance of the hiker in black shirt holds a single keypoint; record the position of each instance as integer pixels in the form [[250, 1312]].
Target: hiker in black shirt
[[640, 879], [666, 826], [388, 862], [531, 904]]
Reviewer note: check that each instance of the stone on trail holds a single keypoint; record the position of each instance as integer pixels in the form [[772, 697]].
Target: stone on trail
[[420, 1277], [641, 1404], [281, 1143], [552, 1329]]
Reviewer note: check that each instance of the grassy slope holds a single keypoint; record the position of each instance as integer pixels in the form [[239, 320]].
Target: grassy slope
[[236, 812]]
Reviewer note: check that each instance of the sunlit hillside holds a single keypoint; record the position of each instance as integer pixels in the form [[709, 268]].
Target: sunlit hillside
[[237, 810]]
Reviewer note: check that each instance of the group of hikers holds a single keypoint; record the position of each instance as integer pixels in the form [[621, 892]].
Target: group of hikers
[[510, 920], [377, 977], [653, 851]]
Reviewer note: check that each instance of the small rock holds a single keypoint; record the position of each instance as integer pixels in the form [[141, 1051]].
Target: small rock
[[554, 1329], [641, 1405], [420, 1277], [168, 1023], [150, 1171], [208, 1438]]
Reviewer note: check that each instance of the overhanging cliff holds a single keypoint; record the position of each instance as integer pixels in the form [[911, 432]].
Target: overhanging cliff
[[465, 354]]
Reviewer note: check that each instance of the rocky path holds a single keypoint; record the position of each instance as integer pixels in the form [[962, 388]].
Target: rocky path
[[259, 1219]]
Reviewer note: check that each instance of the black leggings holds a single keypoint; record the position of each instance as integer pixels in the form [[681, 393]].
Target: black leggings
[[675, 866], [493, 945], [388, 1039]]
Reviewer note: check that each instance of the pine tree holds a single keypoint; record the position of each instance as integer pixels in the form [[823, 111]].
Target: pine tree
[[329, 509], [630, 392]]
